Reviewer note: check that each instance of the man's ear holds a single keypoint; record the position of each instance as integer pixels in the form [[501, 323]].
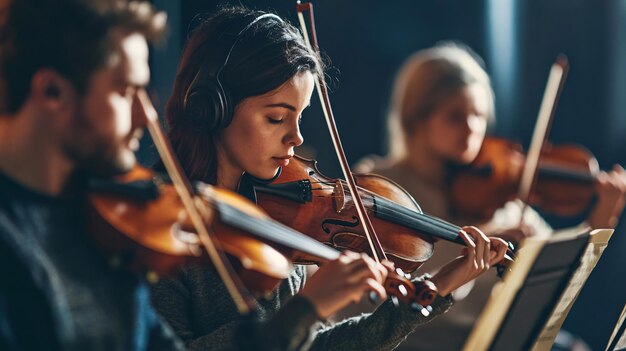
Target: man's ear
[[51, 91]]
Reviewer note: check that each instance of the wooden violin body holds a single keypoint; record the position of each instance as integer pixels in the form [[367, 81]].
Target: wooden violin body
[[564, 184], [324, 210], [153, 232], [302, 198], [148, 229]]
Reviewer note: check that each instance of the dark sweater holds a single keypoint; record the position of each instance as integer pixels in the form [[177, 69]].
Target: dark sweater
[[200, 311], [58, 291]]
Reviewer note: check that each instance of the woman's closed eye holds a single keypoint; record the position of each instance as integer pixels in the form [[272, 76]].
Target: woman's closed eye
[[275, 120], [280, 118]]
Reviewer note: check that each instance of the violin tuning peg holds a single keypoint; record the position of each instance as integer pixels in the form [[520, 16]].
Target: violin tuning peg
[[425, 311], [407, 275], [395, 301], [511, 246], [416, 307], [403, 290]]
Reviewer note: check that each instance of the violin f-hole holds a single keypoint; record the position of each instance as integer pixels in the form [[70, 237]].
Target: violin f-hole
[[340, 222]]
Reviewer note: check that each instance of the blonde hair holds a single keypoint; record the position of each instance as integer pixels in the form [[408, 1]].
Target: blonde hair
[[426, 79]]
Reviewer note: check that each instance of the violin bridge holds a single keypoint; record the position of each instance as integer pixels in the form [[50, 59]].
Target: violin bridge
[[339, 196]]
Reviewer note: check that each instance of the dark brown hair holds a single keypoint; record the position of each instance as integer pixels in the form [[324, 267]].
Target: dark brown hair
[[72, 37], [265, 57]]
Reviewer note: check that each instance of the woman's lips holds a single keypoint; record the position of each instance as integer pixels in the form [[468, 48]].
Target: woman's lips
[[282, 161]]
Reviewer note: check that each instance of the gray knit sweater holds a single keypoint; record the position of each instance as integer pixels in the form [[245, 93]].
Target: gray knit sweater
[[198, 307]]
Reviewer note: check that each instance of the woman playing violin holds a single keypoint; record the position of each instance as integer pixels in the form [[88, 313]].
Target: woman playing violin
[[441, 106], [261, 66]]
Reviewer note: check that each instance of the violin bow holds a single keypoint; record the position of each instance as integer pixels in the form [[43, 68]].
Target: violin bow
[[320, 84], [322, 90], [197, 210], [425, 290], [554, 88]]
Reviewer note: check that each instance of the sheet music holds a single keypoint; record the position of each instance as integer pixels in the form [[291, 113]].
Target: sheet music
[[598, 241]]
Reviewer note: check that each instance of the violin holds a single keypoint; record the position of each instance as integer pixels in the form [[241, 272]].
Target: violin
[[564, 186], [147, 227], [347, 214], [303, 198], [142, 222]]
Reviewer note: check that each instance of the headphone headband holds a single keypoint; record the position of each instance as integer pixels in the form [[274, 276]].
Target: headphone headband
[[240, 34], [206, 101]]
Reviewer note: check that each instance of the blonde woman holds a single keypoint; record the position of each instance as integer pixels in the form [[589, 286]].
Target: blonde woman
[[442, 103]]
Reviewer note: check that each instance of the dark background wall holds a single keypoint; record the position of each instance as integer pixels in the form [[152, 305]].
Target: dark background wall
[[518, 39]]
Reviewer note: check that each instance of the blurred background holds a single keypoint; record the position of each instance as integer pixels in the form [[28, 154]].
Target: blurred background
[[366, 42]]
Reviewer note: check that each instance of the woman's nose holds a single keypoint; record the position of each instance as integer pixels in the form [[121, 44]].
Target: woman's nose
[[294, 137]]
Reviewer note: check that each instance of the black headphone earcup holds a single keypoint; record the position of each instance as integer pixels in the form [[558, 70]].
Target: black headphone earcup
[[206, 106], [227, 108], [206, 103]]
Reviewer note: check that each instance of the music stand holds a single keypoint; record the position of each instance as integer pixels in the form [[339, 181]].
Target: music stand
[[617, 341], [526, 310]]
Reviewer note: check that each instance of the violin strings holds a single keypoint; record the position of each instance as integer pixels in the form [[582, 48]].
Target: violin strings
[[398, 213], [408, 215], [276, 232], [432, 220], [445, 225]]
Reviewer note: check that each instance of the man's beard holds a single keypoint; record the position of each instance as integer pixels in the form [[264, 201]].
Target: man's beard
[[93, 153], [99, 162]]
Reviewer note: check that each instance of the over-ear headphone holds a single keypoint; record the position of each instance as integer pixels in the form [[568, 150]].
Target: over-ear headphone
[[206, 101]]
